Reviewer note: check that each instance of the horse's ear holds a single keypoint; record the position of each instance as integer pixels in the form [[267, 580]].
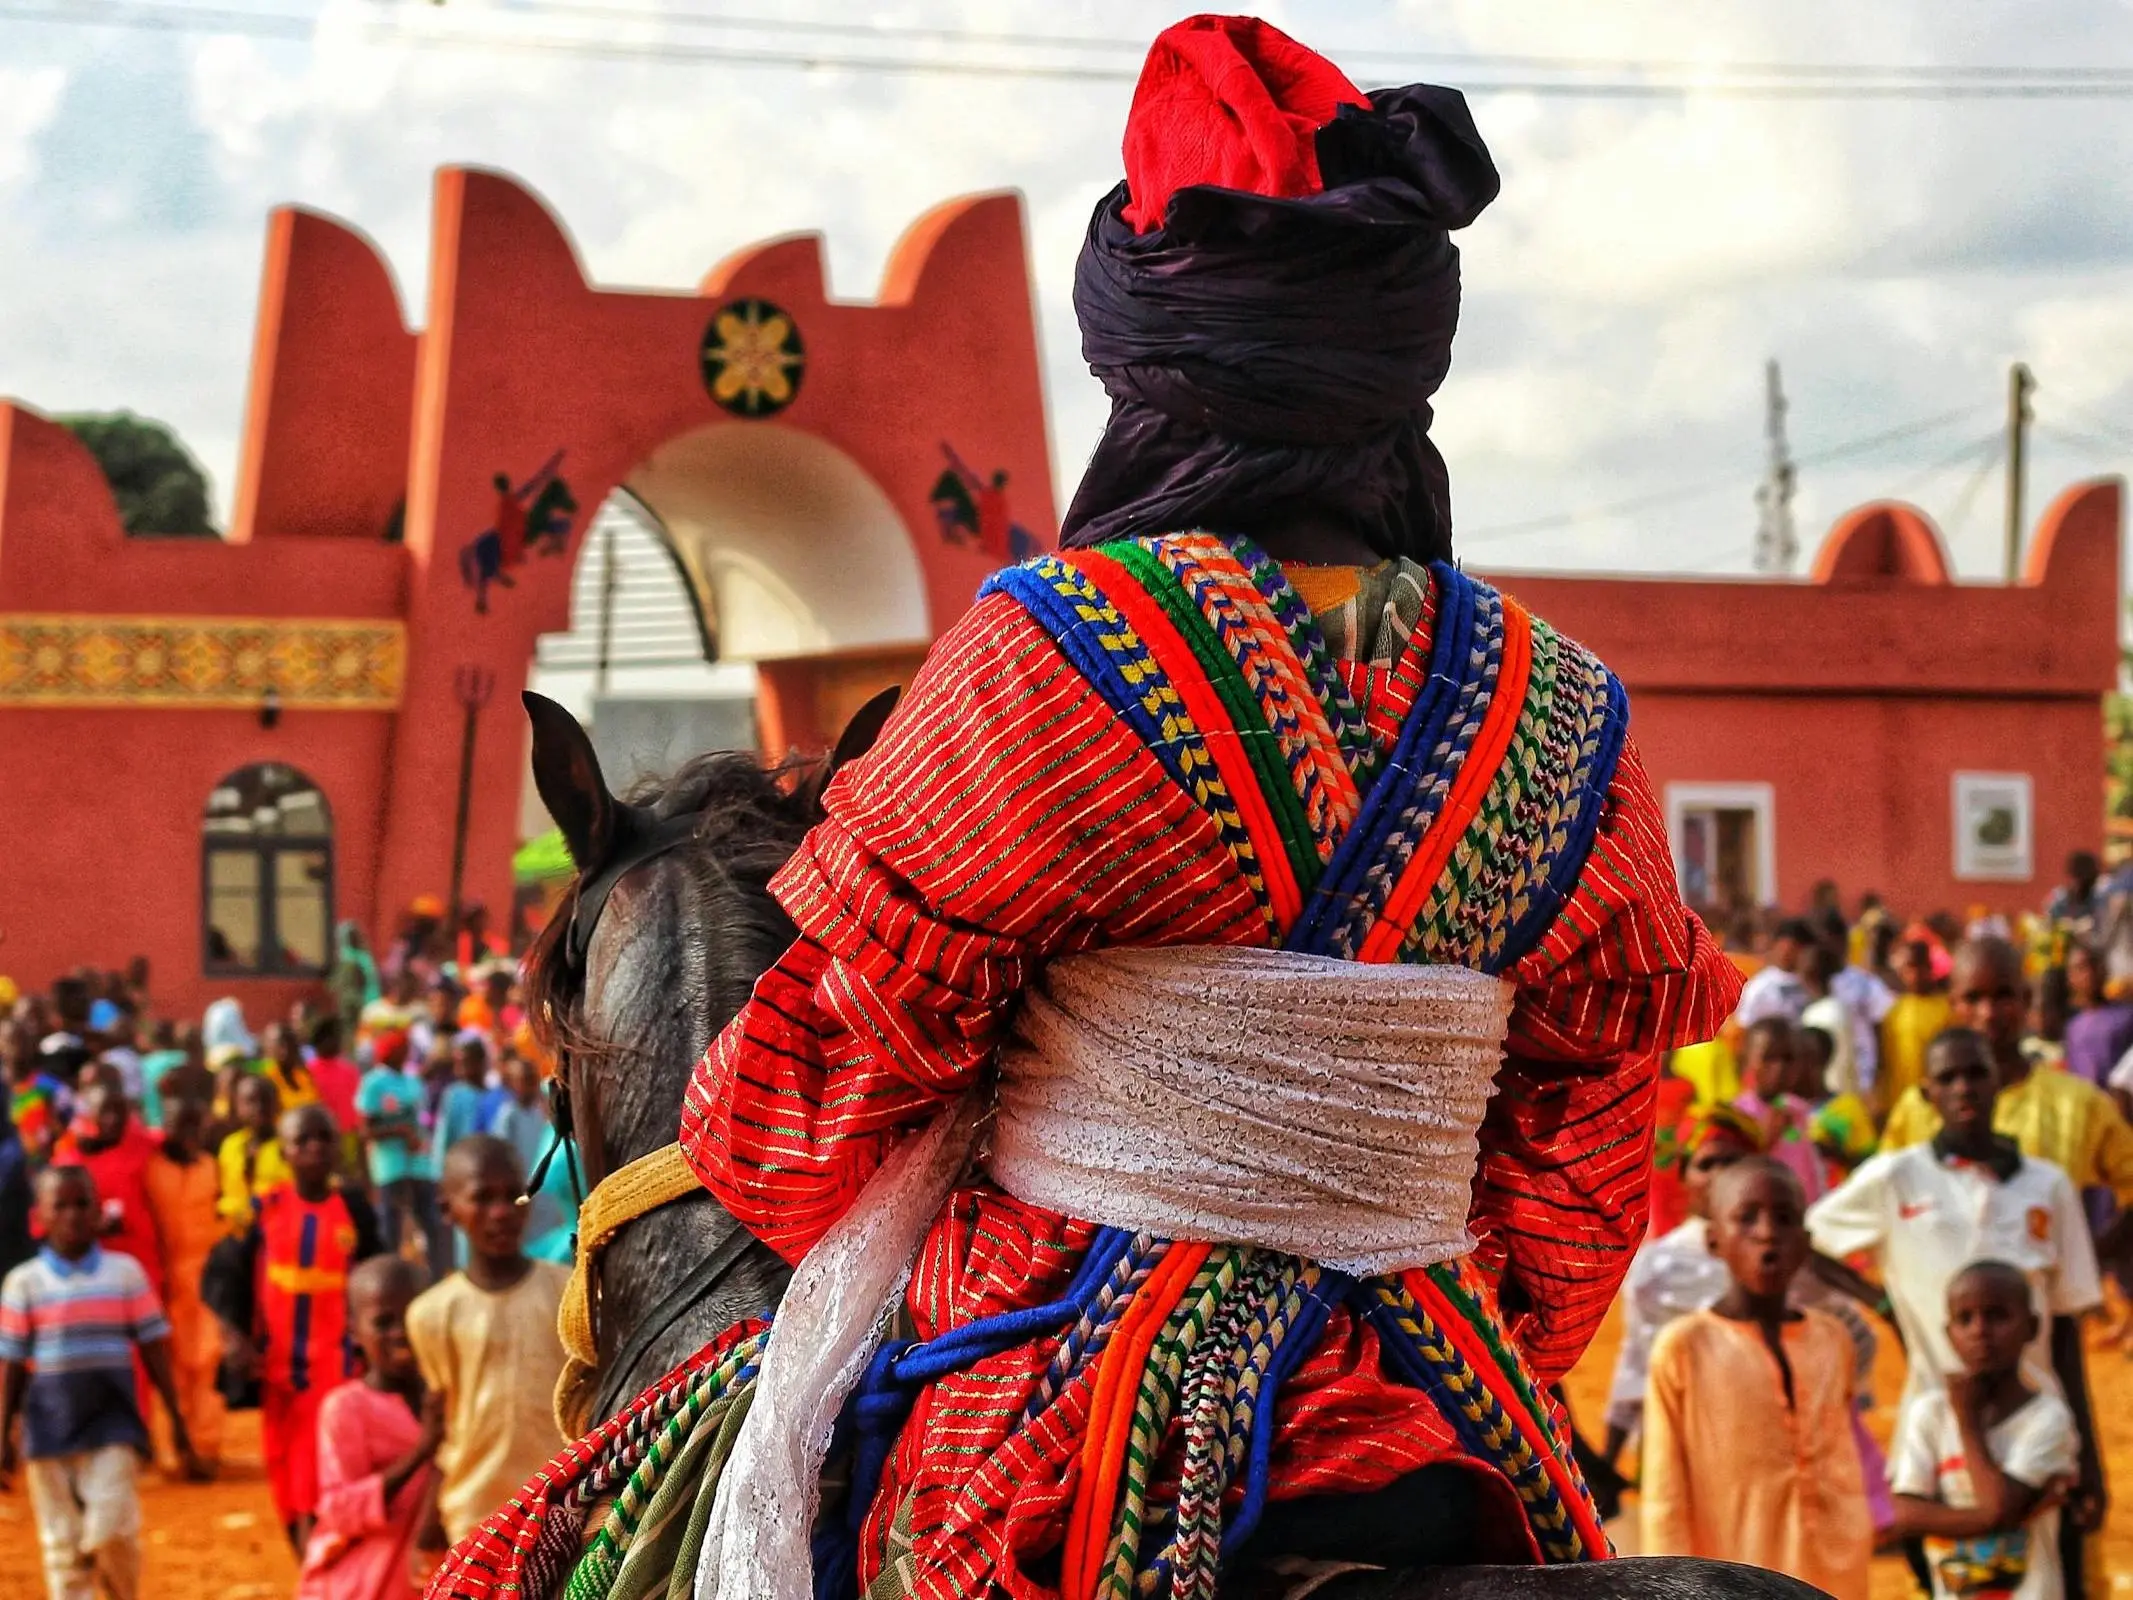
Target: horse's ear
[[861, 732], [856, 740], [567, 773]]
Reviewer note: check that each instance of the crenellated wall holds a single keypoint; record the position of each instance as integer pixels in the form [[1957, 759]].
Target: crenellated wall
[[1858, 694], [355, 582]]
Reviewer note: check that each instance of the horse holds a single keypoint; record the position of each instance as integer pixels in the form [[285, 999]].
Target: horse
[[659, 944]]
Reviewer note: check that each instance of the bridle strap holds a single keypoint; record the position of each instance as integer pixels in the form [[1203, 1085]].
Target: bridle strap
[[698, 1282], [633, 1190], [592, 895]]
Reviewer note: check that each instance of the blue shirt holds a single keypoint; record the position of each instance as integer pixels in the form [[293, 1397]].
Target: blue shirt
[[552, 1219], [459, 1113], [396, 1097], [78, 1324]]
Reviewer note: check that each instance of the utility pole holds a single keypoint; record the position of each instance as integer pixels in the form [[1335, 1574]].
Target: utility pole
[[2020, 386], [1776, 547]]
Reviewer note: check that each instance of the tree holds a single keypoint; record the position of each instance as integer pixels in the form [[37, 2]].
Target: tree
[[160, 489]]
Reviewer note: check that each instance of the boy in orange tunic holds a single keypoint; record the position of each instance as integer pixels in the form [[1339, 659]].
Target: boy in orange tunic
[[1748, 1452], [183, 1187]]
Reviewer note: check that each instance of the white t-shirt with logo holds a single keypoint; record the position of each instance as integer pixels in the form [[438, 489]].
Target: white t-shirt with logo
[[1924, 1219], [2034, 1446]]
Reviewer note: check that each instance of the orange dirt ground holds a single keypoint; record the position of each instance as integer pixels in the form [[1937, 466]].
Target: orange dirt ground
[[219, 1541]]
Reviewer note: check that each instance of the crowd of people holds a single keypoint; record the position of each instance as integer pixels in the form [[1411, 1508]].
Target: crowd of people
[[1926, 1121], [327, 1220], [1919, 1128]]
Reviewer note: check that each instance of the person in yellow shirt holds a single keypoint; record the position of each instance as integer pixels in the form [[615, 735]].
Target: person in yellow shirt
[[1921, 1012], [2052, 1115], [249, 1160], [1711, 1069], [282, 1064]]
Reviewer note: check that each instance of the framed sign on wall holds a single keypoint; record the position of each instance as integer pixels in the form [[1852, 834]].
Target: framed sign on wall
[[1993, 827]]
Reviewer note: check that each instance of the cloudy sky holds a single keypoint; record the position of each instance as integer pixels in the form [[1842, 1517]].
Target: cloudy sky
[[1605, 407]]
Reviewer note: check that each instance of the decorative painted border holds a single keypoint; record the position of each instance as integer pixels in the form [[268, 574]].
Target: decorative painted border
[[201, 663]]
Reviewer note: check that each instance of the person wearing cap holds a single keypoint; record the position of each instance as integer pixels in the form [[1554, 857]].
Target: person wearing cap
[[1275, 924]]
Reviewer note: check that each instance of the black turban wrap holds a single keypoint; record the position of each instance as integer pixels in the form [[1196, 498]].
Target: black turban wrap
[[1268, 358]]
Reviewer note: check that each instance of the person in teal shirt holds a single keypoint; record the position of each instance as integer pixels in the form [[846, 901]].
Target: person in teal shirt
[[389, 1101]]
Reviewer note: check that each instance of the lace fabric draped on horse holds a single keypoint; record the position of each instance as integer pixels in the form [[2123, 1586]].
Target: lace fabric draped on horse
[[1309, 1105], [828, 1327]]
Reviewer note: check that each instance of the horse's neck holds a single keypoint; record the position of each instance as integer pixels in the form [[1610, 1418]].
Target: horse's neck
[[671, 1282]]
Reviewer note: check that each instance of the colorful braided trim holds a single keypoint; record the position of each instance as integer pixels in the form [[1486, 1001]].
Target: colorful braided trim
[[527, 1548]]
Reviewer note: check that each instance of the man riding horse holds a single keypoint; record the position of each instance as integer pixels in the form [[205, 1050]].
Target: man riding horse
[[1209, 1101]]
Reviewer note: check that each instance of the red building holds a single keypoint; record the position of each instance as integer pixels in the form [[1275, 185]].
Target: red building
[[215, 749], [1878, 724]]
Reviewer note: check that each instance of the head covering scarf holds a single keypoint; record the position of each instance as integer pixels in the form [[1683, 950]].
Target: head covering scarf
[[1269, 299], [222, 1028], [1679, 1145]]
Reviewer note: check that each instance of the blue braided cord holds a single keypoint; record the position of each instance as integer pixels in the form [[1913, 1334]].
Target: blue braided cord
[[1092, 1329], [1419, 1371], [880, 1405], [1075, 635], [1569, 863], [1326, 912], [1302, 1339]]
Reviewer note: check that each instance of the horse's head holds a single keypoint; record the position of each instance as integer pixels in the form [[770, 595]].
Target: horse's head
[[657, 945]]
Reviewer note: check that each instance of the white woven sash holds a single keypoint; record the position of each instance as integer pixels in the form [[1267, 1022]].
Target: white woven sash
[[1315, 1106], [1324, 1108]]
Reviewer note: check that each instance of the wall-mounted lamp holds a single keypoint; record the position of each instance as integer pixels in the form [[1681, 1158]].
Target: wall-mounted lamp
[[270, 707]]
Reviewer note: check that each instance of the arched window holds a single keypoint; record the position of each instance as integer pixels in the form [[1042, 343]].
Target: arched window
[[267, 873]]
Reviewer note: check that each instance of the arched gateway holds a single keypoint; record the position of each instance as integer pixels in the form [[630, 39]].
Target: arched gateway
[[834, 479]]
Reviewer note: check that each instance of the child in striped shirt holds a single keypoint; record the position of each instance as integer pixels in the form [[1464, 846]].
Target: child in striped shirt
[[78, 1313]]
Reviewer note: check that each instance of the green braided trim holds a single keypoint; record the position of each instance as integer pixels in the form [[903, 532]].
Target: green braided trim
[[1219, 1424], [1247, 717], [595, 1572], [1161, 1383], [1513, 1453], [1447, 1277]]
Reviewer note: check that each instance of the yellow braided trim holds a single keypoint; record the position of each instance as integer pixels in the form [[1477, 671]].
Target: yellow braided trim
[[629, 1192]]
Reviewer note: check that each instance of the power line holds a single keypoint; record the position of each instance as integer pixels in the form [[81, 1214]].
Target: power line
[[2088, 444], [2102, 427], [1837, 452], [1496, 61], [1988, 449], [1906, 85]]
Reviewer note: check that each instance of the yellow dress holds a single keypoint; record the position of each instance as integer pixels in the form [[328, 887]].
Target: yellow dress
[[2054, 1116], [495, 1358], [1712, 1069]]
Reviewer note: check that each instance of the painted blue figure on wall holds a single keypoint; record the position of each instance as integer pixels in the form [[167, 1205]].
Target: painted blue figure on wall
[[534, 517], [974, 510]]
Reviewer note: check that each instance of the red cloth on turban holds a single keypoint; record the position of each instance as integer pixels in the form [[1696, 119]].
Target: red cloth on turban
[[1233, 102]]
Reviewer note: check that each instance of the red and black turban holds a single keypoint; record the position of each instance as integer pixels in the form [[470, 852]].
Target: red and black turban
[[1269, 299]]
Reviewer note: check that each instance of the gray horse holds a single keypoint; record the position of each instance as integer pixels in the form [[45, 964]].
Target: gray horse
[[669, 927]]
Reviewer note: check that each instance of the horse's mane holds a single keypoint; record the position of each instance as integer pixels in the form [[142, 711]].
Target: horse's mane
[[750, 817]]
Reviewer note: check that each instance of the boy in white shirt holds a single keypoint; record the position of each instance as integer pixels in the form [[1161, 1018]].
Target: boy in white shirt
[[1977, 1467], [1929, 1211]]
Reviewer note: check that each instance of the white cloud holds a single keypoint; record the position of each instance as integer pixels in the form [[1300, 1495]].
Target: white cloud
[[27, 100], [1645, 259]]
